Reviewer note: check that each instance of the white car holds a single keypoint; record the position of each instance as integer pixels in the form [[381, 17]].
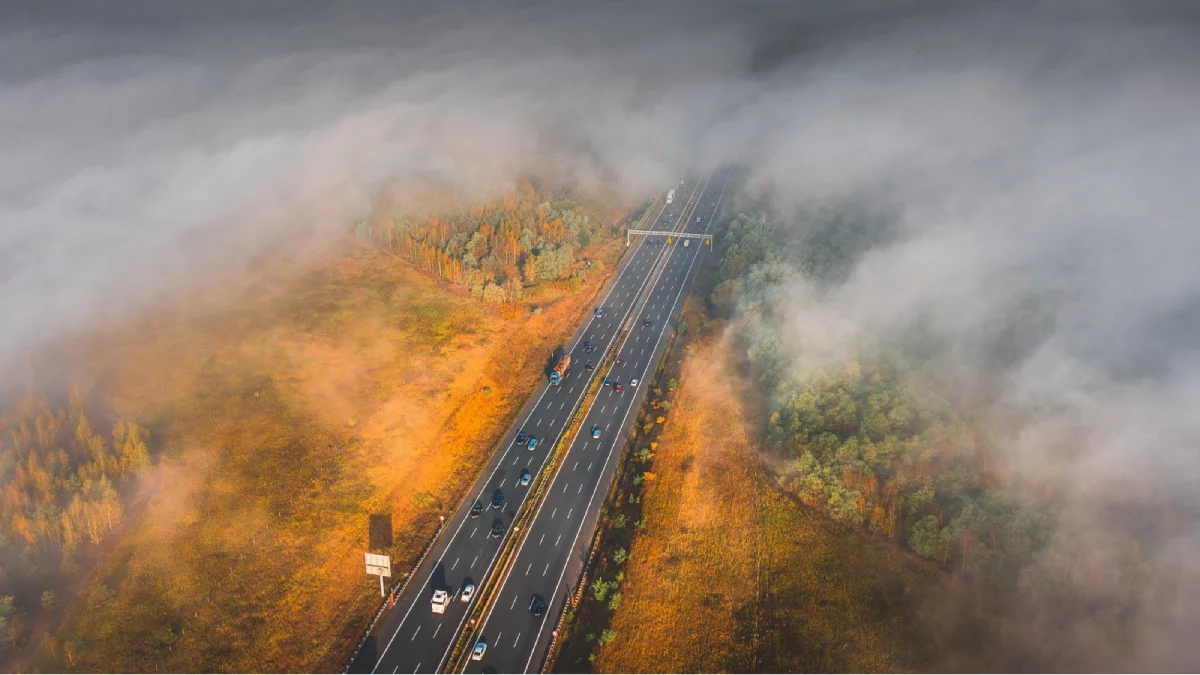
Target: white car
[[477, 653], [633, 382], [468, 592]]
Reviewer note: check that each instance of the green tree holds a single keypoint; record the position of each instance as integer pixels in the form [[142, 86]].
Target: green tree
[[620, 556], [928, 539], [49, 598], [600, 589]]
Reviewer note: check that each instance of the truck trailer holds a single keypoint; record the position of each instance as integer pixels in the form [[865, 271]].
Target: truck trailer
[[560, 370]]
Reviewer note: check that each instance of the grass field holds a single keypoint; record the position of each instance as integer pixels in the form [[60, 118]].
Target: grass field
[[286, 408], [732, 574]]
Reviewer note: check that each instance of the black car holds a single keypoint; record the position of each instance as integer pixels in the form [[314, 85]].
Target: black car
[[588, 366], [497, 499], [497, 528], [537, 606], [522, 437], [476, 509], [588, 347], [599, 311], [646, 322]]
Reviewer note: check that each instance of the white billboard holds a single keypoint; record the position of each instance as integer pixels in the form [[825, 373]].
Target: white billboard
[[380, 565]]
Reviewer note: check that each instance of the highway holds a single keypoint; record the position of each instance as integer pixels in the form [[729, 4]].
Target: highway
[[410, 637], [550, 560]]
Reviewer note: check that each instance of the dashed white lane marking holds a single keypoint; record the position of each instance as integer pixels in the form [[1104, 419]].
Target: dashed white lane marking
[[514, 602], [569, 513], [557, 540], [528, 568], [455, 564], [541, 540], [552, 514], [519, 635], [474, 561], [576, 467], [414, 637], [439, 627], [473, 532], [578, 491], [545, 570]]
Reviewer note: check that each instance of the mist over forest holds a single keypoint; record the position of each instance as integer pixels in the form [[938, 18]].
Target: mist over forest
[[1032, 166]]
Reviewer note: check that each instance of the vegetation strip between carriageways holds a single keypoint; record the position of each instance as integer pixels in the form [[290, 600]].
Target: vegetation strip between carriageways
[[488, 596]]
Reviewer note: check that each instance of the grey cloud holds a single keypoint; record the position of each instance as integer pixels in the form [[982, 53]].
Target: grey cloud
[[1039, 161]]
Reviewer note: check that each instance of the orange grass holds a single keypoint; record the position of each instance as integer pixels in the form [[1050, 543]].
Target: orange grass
[[731, 574], [289, 408]]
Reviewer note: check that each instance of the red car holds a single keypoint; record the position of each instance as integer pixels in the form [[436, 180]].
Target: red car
[[618, 389]]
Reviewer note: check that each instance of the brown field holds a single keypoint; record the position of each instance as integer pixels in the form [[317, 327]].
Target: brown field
[[731, 574], [286, 409]]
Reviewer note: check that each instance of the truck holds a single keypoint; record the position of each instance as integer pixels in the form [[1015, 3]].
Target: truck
[[670, 196], [440, 599], [560, 370]]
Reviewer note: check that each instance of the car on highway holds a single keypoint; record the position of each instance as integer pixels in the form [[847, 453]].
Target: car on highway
[[525, 478], [697, 219], [468, 592], [599, 311], [522, 437], [537, 606], [608, 381], [617, 361], [589, 366], [633, 382], [596, 431], [617, 388], [646, 321], [476, 509], [589, 347], [532, 443], [497, 499], [477, 652], [497, 528]]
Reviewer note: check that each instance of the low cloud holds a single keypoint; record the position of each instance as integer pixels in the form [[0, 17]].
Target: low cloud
[[1038, 163]]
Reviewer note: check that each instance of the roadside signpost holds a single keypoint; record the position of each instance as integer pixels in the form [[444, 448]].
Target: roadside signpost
[[380, 565]]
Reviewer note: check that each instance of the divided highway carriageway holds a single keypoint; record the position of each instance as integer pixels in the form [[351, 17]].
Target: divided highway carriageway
[[640, 306]]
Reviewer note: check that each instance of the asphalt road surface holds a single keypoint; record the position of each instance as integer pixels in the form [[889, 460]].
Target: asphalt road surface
[[411, 637], [550, 561]]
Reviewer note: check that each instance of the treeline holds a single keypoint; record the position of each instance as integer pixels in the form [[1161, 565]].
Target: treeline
[[863, 441], [496, 249], [63, 490]]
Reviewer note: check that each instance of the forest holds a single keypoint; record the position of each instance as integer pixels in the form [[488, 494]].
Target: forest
[[864, 440], [65, 487], [499, 247]]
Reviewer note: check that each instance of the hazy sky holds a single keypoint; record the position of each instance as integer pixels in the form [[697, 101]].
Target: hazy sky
[[1041, 160]]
